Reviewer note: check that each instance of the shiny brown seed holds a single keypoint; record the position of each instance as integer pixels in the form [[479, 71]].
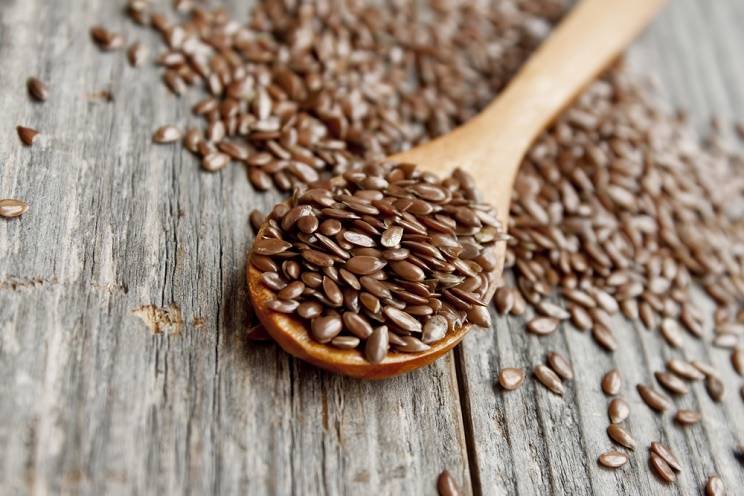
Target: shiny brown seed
[[480, 317], [410, 344], [282, 306], [504, 300], [550, 309], [215, 162], [542, 326], [377, 345], [408, 271], [37, 89], [309, 309], [581, 318], [715, 388], [687, 417], [270, 246], [364, 265], [549, 379], [511, 378], [402, 319], [671, 383], [345, 342], [665, 454], [357, 325], [27, 135], [684, 370], [11, 208], [446, 485], [273, 281], [737, 360], [655, 400], [604, 337], [661, 468], [613, 459], [256, 218], [292, 291], [621, 436], [324, 329], [136, 54], [714, 486], [560, 365], [618, 410], [612, 382], [105, 39], [166, 134]]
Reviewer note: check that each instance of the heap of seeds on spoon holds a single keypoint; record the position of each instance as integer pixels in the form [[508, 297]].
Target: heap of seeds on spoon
[[385, 257], [617, 209]]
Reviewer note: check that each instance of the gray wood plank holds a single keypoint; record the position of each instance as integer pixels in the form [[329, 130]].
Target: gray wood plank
[[91, 401], [530, 441]]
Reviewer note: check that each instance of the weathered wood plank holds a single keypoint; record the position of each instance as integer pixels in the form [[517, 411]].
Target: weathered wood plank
[[530, 441], [92, 402]]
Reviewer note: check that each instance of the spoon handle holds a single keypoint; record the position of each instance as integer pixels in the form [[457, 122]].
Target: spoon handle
[[491, 145]]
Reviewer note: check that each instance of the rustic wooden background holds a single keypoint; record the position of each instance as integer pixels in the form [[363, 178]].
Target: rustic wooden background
[[93, 402]]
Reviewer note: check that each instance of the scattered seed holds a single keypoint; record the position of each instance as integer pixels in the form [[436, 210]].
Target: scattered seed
[[136, 54], [446, 485], [618, 410], [548, 378], [655, 400], [542, 326], [10, 208], [687, 417], [714, 486], [105, 39], [511, 378], [560, 365], [37, 89], [661, 468], [612, 382], [620, 436], [666, 454], [166, 134], [684, 370], [613, 459], [671, 383], [715, 388], [27, 135]]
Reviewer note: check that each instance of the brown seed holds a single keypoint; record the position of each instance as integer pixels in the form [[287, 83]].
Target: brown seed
[[552, 310], [737, 360], [136, 54], [377, 345], [37, 89], [291, 291], [345, 342], [106, 40], [655, 400], [560, 365], [402, 319], [166, 134], [446, 485], [687, 417], [511, 378], [665, 453], [256, 218], [410, 344], [706, 369], [324, 329], [714, 486], [612, 382], [282, 306], [480, 317], [27, 135], [270, 246], [613, 459], [504, 300], [581, 318], [408, 271], [10, 208], [542, 326], [661, 468], [309, 309], [273, 281], [548, 378], [715, 388], [357, 325], [621, 436], [671, 332], [618, 410], [671, 383], [604, 337], [364, 265], [215, 162], [684, 370], [318, 258]]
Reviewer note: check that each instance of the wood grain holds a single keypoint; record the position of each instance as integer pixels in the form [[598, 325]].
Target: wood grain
[[92, 402]]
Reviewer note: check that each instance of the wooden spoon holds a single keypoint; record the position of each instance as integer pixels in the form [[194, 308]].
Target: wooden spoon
[[490, 147]]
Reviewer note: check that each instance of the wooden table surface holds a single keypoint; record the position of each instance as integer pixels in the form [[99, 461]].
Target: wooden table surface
[[93, 402]]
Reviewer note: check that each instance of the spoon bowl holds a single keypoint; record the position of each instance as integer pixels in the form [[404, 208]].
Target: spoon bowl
[[490, 147]]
